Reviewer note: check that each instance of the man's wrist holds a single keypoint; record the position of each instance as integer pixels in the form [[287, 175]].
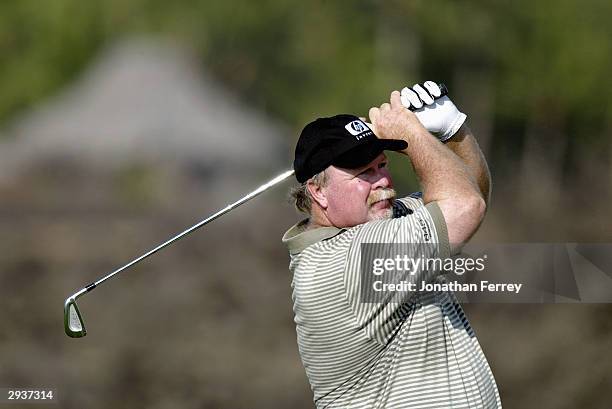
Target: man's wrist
[[417, 137], [458, 136], [453, 128]]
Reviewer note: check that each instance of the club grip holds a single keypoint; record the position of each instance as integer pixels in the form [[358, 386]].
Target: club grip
[[443, 93], [443, 90]]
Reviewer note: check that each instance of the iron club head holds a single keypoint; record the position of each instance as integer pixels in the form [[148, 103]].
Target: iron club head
[[73, 322]]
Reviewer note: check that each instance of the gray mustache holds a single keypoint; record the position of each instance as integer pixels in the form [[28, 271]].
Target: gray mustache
[[381, 194]]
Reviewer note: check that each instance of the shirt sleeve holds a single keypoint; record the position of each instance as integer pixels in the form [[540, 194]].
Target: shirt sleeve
[[410, 242]]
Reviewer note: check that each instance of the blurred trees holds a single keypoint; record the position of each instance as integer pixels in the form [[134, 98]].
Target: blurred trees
[[533, 73]]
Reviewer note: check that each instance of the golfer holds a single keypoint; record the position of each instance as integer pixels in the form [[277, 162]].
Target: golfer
[[408, 349]]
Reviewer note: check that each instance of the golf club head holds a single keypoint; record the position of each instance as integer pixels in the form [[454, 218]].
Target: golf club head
[[73, 322]]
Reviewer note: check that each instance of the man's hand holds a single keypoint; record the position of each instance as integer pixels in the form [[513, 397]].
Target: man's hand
[[440, 117], [393, 121]]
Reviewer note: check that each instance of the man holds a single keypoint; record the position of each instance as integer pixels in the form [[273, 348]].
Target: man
[[418, 350]]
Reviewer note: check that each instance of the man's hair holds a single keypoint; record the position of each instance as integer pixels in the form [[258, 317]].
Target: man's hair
[[302, 199]]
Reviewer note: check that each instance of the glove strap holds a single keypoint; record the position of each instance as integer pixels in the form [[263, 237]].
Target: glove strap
[[452, 131]]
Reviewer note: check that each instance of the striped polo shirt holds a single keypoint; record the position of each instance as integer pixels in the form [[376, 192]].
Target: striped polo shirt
[[418, 351]]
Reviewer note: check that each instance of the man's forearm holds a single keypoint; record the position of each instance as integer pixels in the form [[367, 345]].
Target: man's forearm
[[446, 180], [442, 174], [464, 145]]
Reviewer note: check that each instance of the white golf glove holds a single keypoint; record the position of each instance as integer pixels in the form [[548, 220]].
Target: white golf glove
[[439, 116]]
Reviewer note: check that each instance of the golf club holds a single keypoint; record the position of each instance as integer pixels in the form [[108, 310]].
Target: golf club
[[73, 320]]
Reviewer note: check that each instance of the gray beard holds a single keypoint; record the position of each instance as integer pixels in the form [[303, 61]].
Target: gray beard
[[388, 214]]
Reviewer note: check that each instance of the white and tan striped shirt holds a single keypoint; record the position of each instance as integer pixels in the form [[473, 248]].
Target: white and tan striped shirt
[[419, 352]]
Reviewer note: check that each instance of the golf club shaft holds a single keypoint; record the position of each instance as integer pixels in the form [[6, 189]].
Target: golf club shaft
[[259, 190], [193, 228]]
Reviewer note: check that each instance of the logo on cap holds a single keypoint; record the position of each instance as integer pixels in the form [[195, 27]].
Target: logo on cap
[[356, 128]]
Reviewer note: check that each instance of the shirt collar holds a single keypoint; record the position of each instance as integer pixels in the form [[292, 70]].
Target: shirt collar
[[298, 237]]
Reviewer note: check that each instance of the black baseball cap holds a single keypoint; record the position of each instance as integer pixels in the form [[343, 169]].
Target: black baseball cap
[[342, 140]]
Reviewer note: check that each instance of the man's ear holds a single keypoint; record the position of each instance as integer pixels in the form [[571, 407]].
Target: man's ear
[[317, 193]]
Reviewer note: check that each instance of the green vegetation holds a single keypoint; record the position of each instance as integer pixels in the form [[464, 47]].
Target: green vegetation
[[544, 61]]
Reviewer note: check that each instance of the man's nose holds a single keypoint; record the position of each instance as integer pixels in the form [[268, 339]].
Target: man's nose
[[383, 179]]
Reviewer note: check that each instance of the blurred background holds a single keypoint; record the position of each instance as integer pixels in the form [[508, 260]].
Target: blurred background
[[124, 122]]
